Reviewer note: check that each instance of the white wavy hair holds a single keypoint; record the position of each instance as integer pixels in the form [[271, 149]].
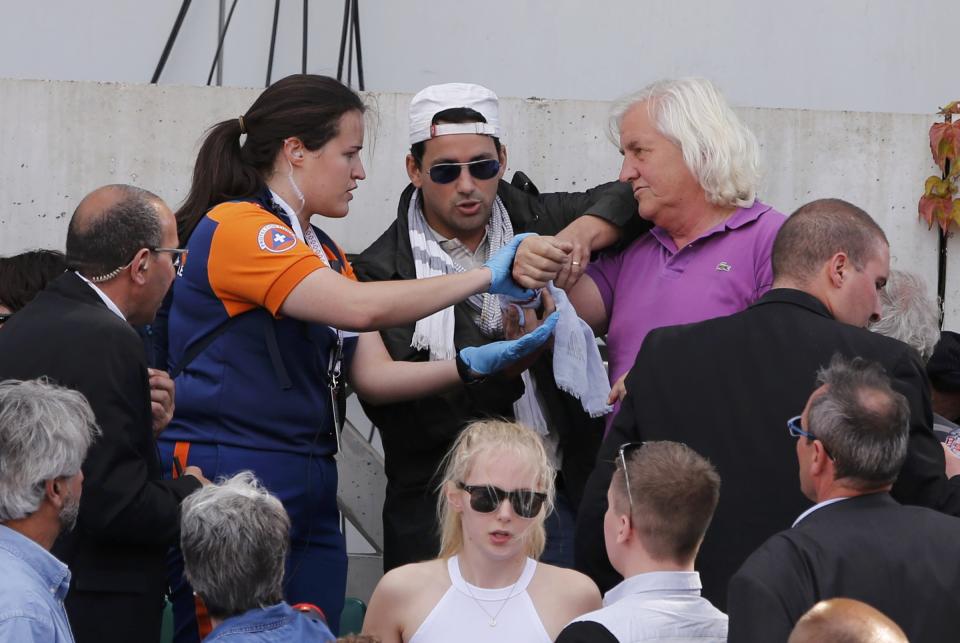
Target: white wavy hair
[[910, 313], [719, 150]]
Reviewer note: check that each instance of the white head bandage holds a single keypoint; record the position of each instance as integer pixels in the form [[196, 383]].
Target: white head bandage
[[437, 98]]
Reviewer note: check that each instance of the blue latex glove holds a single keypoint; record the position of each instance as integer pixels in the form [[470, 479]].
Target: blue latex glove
[[497, 356], [501, 264]]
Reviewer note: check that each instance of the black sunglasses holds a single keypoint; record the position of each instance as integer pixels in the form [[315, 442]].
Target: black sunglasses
[[449, 172], [4, 317], [486, 498]]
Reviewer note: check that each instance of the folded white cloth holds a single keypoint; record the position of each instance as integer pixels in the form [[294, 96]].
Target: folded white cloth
[[577, 365]]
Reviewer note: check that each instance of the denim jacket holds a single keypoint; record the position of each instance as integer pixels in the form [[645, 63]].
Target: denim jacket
[[275, 624], [33, 585]]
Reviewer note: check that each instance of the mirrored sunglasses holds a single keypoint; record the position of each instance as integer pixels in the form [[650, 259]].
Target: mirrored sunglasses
[[449, 172], [487, 498]]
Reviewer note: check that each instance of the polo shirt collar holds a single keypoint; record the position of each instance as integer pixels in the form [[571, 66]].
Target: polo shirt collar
[[654, 583], [739, 218], [54, 574]]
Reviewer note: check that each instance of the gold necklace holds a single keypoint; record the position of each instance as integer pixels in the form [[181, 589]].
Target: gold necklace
[[493, 619]]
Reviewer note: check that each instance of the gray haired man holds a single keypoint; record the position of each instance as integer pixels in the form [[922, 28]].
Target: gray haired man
[[856, 541], [45, 432], [235, 536]]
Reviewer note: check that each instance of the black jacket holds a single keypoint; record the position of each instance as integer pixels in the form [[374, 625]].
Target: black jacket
[[417, 434], [128, 516], [726, 387], [904, 561]]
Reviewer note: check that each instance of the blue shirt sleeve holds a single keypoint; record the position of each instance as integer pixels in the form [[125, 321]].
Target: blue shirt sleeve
[[24, 628]]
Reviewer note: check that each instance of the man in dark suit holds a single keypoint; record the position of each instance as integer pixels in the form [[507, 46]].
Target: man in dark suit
[[856, 541], [122, 248], [726, 386]]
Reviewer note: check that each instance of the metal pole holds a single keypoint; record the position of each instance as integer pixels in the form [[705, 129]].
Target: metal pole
[[356, 29], [343, 38], [350, 59], [170, 40], [218, 57], [273, 41], [303, 56]]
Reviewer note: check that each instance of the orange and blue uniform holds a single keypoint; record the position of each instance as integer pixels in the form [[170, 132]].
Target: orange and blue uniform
[[256, 396]]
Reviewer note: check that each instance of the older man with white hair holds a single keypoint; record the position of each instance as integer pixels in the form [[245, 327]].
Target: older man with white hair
[[694, 170], [235, 537], [45, 432]]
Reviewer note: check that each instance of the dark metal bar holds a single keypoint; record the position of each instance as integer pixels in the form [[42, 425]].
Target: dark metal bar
[[343, 38], [221, 18], [356, 29], [170, 40], [223, 35], [350, 58], [303, 56], [273, 41], [942, 258]]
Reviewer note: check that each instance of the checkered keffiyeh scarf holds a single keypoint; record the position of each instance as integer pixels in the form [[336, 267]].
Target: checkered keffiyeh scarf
[[435, 333]]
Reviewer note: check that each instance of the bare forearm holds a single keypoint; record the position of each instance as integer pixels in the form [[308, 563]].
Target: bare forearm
[[326, 297], [402, 381], [380, 380]]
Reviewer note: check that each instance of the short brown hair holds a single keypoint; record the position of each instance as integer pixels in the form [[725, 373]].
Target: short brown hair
[[820, 229], [675, 491]]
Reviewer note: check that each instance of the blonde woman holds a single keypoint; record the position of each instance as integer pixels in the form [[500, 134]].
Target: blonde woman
[[486, 585]]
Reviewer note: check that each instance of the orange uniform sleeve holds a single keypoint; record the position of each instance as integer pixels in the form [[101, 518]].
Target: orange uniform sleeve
[[255, 260]]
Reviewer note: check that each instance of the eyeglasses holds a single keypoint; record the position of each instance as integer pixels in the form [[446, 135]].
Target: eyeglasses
[[4, 317], [179, 254], [796, 430], [625, 450], [449, 172], [487, 498]]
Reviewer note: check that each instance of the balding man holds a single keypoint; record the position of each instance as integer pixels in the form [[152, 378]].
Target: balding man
[[847, 621], [856, 541], [726, 386], [122, 251]]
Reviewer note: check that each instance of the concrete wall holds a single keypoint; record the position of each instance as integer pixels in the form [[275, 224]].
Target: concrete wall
[[862, 55], [61, 139]]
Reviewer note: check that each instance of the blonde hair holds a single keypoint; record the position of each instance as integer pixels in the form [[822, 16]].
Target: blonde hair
[[483, 437], [720, 151]]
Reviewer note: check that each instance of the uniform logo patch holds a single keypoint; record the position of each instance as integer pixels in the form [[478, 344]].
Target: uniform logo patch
[[274, 237], [723, 266]]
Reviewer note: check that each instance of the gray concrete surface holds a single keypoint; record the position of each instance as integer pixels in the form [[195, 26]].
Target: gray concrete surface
[[61, 139]]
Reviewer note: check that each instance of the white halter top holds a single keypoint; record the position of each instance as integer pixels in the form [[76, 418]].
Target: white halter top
[[470, 614]]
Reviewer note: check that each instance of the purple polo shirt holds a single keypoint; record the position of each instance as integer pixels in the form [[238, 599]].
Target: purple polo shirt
[[651, 284]]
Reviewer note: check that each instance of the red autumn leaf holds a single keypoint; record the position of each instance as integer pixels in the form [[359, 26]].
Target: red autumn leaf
[[937, 203], [931, 209], [945, 143]]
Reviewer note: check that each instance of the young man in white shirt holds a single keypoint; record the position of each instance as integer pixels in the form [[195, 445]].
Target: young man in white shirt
[[660, 501]]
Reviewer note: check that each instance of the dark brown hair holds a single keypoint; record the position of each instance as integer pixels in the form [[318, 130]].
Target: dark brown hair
[[304, 106], [24, 275]]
